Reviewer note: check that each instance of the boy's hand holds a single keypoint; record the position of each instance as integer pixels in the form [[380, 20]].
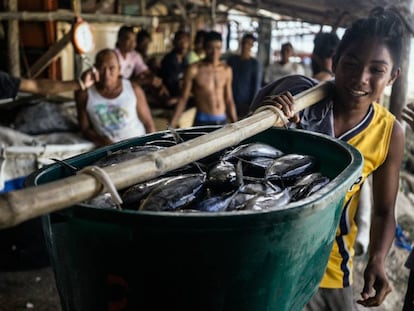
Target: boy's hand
[[376, 285], [284, 102]]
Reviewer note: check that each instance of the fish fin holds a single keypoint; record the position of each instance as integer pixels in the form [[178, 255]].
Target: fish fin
[[72, 169]]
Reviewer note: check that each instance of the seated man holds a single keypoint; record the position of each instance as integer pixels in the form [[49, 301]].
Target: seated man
[[114, 108], [210, 80], [132, 64]]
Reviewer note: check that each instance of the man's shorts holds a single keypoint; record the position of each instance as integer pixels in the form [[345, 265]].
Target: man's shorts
[[202, 118], [331, 299]]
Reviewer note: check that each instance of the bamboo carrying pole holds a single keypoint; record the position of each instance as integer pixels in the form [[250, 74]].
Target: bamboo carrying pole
[[18, 206]]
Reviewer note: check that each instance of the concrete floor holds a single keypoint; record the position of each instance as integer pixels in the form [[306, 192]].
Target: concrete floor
[[27, 281], [28, 290]]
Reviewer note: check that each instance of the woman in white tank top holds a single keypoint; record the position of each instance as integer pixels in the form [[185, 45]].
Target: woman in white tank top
[[113, 109]]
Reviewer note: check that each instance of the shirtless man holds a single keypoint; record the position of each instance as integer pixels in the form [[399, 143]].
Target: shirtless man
[[210, 82]]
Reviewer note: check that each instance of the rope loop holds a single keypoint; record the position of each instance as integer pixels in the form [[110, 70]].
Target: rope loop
[[103, 178], [278, 112]]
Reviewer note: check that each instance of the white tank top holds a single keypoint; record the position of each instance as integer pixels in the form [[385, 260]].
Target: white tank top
[[115, 118]]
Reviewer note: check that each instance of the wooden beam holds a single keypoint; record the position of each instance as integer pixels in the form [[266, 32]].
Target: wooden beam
[[104, 5], [69, 16], [13, 42], [49, 56], [143, 7]]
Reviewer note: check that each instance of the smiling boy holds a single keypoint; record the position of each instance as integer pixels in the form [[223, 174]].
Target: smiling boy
[[367, 60]]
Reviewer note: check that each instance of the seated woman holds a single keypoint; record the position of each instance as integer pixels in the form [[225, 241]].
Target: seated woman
[[114, 108], [133, 67]]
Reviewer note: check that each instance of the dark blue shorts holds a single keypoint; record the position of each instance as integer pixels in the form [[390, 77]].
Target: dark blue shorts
[[202, 118]]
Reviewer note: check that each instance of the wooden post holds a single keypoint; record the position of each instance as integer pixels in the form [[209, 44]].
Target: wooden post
[[399, 90], [142, 7], [213, 14], [264, 42], [13, 42]]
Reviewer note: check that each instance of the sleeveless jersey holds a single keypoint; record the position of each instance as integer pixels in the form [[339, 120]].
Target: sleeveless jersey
[[372, 138], [115, 118]]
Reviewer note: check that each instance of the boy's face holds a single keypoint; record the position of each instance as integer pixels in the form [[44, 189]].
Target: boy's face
[[213, 50], [363, 71]]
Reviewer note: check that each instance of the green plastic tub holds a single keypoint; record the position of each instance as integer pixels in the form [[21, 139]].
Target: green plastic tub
[[267, 260]]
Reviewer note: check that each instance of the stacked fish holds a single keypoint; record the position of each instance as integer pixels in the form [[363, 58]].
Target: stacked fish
[[253, 176]]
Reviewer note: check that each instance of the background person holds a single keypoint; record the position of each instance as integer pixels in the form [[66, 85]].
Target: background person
[[143, 40], [210, 82], [325, 44], [175, 62], [247, 75], [284, 66], [114, 108], [367, 60], [198, 52], [132, 64]]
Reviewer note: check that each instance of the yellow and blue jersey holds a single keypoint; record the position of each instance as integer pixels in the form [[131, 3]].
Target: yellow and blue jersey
[[372, 138]]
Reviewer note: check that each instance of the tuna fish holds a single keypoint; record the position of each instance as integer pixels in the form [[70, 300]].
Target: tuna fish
[[253, 176], [133, 195], [269, 201], [253, 150], [174, 194], [307, 185], [290, 167], [218, 203], [126, 154], [222, 174]]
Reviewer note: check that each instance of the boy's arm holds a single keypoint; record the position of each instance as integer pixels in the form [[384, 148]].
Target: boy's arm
[[385, 188], [189, 75], [228, 97]]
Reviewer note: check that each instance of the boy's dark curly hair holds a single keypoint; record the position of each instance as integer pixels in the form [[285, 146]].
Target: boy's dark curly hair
[[383, 24]]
